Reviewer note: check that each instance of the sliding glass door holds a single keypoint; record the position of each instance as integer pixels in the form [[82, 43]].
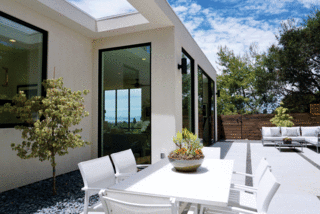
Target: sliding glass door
[[188, 94], [206, 106], [125, 106]]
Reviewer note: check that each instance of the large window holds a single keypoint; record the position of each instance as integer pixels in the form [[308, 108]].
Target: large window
[[125, 110], [188, 94], [23, 52], [206, 108]]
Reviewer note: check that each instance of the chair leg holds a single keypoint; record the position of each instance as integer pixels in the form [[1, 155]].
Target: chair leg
[[86, 203], [201, 209]]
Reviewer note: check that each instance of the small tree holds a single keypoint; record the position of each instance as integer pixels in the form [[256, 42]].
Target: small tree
[[281, 119], [49, 135]]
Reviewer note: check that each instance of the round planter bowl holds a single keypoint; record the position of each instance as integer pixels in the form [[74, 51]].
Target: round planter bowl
[[186, 165], [287, 141]]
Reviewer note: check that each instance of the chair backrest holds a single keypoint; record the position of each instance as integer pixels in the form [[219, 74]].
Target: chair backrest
[[262, 167], [124, 161], [267, 188], [114, 205], [211, 152], [97, 172]]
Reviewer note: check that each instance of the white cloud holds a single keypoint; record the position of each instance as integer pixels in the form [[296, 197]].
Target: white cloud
[[103, 8], [211, 29], [309, 3]]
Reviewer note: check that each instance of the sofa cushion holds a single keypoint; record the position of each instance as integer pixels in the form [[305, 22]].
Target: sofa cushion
[[290, 131], [272, 138], [310, 131], [266, 131], [271, 132], [275, 131], [312, 140], [298, 138]]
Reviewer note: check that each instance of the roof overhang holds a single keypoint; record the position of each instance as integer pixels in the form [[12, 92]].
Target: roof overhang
[[151, 14]]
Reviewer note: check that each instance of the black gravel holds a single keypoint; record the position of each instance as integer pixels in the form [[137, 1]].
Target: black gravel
[[37, 197]]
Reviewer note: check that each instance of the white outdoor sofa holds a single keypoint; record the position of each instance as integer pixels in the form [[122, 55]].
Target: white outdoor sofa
[[309, 134]]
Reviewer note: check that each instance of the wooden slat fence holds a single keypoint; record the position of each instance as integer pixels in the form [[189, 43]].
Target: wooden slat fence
[[248, 126]]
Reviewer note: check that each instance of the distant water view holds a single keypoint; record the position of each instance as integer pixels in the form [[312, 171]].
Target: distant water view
[[120, 119]]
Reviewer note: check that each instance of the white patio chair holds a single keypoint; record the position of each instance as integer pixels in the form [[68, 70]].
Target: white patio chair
[[243, 202], [113, 205], [211, 152], [125, 164], [256, 177], [97, 174]]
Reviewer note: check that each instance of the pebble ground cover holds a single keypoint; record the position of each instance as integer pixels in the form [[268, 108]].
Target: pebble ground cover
[[37, 198]]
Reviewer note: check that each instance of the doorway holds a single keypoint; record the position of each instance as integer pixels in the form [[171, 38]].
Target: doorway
[[125, 101], [206, 108]]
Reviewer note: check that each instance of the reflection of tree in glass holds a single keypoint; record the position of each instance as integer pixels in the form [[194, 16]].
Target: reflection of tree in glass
[[186, 95]]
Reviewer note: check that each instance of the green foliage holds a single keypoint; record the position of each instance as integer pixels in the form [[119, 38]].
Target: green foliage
[[187, 143], [296, 61], [281, 119], [242, 83], [47, 122]]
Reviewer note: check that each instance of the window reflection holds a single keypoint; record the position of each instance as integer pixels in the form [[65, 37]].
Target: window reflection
[[21, 62], [126, 82], [187, 95]]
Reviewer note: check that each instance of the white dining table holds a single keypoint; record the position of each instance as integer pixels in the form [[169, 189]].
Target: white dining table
[[209, 185]]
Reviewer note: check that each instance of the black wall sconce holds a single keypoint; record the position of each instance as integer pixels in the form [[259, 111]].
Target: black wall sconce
[[183, 66], [218, 93]]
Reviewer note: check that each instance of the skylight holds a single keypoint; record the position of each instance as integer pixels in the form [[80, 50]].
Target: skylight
[[103, 8]]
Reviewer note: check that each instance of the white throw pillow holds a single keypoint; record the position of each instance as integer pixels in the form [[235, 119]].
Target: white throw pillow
[[292, 132], [310, 131], [266, 131], [275, 132], [283, 131]]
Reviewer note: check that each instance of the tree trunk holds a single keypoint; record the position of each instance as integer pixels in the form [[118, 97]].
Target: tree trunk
[[54, 191]]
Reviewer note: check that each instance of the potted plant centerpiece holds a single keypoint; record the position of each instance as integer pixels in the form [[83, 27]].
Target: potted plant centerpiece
[[188, 156], [287, 140]]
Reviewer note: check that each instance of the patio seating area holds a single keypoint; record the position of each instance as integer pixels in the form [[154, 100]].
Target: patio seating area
[[297, 172]]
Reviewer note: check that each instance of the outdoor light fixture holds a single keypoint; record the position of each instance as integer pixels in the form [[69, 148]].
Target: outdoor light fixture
[[218, 93], [183, 66]]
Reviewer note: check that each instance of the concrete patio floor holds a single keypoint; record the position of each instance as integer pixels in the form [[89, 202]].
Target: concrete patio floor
[[297, 172]]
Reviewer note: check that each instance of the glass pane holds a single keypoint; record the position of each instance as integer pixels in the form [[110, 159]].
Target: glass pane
[[20, 63], [126, 73], [110, 109], [206, 111], [135, 106], [200, 104], [187, 107], [122, 109], [106, 8], [213, 118]]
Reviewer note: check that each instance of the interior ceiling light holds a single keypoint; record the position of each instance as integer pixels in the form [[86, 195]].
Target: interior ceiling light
[[12, 40]]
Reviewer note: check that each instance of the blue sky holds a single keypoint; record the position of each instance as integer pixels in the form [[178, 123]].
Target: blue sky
[[238, 23], [214, 23]]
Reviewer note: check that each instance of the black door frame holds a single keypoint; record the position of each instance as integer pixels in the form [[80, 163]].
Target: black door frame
[[101, 94], [211, 94]]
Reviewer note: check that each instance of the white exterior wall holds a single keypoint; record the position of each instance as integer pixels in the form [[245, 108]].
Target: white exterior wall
[[71, 55], [164, 84], [184, 40], [75, 58]]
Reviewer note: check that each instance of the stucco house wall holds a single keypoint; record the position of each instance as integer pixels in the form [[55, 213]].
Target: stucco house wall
[[70, 54], [163, 84], [74, 57]]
